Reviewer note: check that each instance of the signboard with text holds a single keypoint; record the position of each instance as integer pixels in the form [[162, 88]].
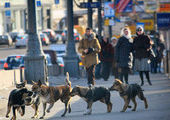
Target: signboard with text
[[90, 4], [109, 9], [163, 20]]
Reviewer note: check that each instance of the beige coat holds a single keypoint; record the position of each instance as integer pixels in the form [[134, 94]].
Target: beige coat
[[92, 58]]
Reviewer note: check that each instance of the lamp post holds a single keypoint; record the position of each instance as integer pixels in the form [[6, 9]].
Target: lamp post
[[35, 62], [71, 59], [99, 21], [90, 13]]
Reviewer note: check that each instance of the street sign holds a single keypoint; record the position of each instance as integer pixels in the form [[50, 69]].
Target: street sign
[[38, 3], [7, 13], [109, 9], [7, 5], [56, 1], [163, 20], [109, 22], [90, 4]]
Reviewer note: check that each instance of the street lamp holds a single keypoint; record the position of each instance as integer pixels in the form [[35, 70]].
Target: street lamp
[[35, 61], [71, 59]]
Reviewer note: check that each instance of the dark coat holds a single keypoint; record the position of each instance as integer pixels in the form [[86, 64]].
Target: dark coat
[[123, 54], [107, 52], [141, 45]]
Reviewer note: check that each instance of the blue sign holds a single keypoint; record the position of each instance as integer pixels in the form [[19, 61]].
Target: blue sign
[[56, 1], [163, 20], [109, 9], [38, 3], [90, 5], [7, 13], [7, 5]]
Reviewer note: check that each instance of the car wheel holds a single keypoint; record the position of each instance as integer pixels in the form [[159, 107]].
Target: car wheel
[[16, 46]]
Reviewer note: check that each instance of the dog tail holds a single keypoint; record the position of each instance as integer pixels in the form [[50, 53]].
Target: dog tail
[[68, 82]]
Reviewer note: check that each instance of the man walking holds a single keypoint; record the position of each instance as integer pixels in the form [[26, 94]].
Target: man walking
[[89, 47]]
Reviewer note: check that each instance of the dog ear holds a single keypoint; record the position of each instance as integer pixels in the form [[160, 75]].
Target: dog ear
[[25, 82], [39, 82]]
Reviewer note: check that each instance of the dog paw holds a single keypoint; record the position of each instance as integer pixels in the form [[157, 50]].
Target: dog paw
[[7, 116], [62, 115], [122, 111], [48, 111], [42, 117], [133, 109], [129, 106]]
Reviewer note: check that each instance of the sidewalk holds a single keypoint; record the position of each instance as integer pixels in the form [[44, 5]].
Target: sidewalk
[[158, 96]]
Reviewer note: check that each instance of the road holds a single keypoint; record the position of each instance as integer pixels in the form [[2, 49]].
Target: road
[[5, 51], [158, 97]]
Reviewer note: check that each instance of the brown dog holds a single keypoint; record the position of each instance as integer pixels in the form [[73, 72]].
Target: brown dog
[[91, 95], [129, 92], [50, 94]]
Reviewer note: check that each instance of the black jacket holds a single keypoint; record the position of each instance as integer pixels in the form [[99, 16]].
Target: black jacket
[[141, 45]]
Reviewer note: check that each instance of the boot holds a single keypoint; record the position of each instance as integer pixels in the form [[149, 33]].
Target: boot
[[142, 83], [149, 82]]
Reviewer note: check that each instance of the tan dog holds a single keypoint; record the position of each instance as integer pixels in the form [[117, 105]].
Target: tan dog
[[129, 92], [51, 94]]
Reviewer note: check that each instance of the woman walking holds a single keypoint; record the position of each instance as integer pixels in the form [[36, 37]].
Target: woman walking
[[106, 57], [142, 46], [123, 54]]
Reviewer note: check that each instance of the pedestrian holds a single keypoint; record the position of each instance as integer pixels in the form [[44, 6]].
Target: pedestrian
[[142, 46], [106, 57], [123, 54], [160, 50], [114, 41], [89, 47]]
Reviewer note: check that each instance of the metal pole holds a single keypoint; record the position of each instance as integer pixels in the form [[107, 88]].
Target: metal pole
[[99, 21], [110, 28], [71, 59], [35, 62], [90, 13]]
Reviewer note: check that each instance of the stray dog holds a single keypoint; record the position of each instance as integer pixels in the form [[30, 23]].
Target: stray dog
[[50, 94], [91, 95], [18, 98], [34, 100], [129, 92]]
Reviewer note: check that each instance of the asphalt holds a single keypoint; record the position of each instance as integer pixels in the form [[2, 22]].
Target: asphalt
[[158, 96]]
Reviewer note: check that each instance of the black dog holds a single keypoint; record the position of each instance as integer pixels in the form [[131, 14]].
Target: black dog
[[91, 95], [18, 98]]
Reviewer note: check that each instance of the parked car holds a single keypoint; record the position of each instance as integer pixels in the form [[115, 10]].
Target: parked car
[[60, 61], [21, 41], [14, 62], [2, 61], [15, 33], [77, 36], [5, 40], [44, 39], [51, 35]]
